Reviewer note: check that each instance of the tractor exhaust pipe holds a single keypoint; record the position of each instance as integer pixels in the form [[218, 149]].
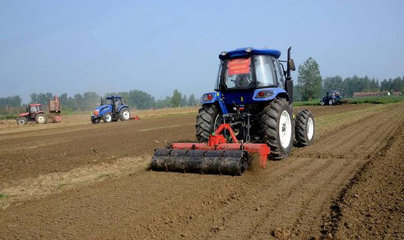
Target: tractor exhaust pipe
[[290, 66]]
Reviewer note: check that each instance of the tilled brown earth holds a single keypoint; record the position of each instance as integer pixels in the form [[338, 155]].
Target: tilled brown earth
[[290, 199], [371, 206]]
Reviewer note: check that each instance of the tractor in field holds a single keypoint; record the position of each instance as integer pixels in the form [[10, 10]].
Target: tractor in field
[[332, 97], [250, 112], [35, 113], [111, 109]]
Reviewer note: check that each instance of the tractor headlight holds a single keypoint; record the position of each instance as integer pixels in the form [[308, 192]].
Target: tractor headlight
[[264, 94], [223, 53], [96, 112], [248, 50]]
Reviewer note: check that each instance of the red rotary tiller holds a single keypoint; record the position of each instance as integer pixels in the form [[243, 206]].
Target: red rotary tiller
[[216, 156]]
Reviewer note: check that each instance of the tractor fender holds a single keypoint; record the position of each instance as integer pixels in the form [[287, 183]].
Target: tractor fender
[[268, 94], [214, 98], [122, 107], [39, 112]]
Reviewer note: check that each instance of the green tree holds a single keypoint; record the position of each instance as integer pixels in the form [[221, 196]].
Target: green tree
[[136, 99], [192, 100], [14, 101], [333, 83], [184, 101], [309, 79], [163, 103], [41, 98], [176, 98]]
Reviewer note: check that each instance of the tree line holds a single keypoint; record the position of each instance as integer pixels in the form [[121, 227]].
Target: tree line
[[79, 102], [310, 84]]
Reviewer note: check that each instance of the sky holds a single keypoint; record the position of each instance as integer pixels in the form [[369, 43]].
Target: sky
[[75, 46]]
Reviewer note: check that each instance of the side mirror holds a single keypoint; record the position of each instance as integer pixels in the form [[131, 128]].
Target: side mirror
[[291, 64]]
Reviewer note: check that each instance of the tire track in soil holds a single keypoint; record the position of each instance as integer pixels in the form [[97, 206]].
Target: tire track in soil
[[332, 221]]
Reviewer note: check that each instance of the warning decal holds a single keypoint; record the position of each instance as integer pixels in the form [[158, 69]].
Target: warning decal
[[238, 66]]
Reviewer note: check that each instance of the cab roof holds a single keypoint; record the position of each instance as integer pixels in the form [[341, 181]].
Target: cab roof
[[113, 96], [244, 52]]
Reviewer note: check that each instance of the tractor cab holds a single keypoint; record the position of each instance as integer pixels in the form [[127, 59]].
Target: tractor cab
[[250, 77], [249, 69], [34, 108]]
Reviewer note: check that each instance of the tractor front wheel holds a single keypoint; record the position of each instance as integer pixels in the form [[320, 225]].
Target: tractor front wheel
[[22, 120], [304, 127], [207, 121], [124, 115], [40, 118], [107, 118], [277, 128], [95, 120]]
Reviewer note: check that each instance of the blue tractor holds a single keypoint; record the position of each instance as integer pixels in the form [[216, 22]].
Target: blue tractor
[[111, 109], [252, 102], [332, 97]]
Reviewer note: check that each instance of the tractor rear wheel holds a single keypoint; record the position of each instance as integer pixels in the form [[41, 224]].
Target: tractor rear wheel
[[304, 127], [22, 120], [124, 115], [107, 118], [276, 126], [40, 118], [207, 121]]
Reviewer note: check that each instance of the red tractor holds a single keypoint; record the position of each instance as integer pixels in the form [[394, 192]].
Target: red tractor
[[35, 113]]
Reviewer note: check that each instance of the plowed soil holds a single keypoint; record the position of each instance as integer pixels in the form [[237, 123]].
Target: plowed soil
[[88, 181]]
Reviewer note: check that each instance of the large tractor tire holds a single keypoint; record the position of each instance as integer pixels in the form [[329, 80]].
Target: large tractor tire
[[124, 114], [22, 120], [304, 127], [107, 118], [207, 121], [276, 126], [40, 118]]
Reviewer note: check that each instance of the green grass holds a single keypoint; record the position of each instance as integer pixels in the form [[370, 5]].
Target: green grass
[[8, 116], [103, 175], [2, 195], [376, 100], [307, 103], [372, 100]]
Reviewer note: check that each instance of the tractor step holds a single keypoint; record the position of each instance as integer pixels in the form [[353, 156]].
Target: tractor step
[[233, 162]]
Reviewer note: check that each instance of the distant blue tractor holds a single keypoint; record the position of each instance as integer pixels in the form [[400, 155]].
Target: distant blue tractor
[[111, 109], [333, 97], [254, 93]]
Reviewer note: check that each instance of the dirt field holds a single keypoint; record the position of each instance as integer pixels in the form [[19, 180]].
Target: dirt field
[[75, 180]]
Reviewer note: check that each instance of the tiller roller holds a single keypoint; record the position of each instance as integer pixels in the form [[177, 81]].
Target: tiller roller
[[217, 156]]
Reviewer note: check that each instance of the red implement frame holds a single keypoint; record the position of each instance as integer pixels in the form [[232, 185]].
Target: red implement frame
[[218, 142]]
